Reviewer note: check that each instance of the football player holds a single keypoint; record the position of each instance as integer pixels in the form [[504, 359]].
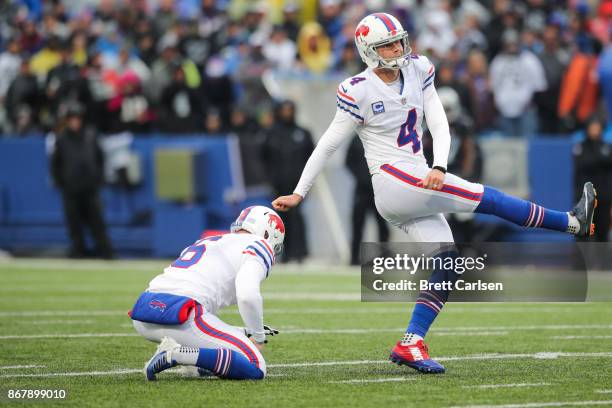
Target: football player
[[385, 105], [179, 308]]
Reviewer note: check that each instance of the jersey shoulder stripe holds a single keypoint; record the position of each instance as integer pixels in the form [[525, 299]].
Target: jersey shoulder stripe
[[266, 251], [351, 105], [349, 112], [259, 255], [344, 95], [349, 97]]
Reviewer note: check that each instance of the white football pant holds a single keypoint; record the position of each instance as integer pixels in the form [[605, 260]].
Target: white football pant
[[418, 211], [204, 330]]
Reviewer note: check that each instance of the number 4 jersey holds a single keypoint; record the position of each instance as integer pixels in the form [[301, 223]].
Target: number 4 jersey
[[207, 270], [388, 119]]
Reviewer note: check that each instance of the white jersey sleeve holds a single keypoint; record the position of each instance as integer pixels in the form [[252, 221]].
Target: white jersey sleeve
[[434, 111], [342, 128], [248, 295]]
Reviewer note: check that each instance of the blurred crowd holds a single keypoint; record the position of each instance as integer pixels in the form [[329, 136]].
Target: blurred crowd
[[183, 66]]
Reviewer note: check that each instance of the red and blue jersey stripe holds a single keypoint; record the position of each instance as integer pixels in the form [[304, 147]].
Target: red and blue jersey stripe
[[348, 104], [346, 99], [431, 74], [262, 252], [266, 250]]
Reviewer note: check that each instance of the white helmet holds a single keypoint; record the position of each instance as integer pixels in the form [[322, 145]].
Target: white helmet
[[379, 29], [263, 222]]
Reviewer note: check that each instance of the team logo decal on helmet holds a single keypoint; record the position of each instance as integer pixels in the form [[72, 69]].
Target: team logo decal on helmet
[[263, 222], [380, 29]]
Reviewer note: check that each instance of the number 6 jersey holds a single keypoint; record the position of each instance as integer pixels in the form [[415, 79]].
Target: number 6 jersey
[[210, 270]]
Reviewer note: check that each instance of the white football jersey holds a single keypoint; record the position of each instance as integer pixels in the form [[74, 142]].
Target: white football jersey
[[389, 122], [206, 271]]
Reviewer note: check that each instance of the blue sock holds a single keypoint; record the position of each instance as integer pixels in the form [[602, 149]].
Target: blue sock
[[430, 302], [521, 212], [229, 364]]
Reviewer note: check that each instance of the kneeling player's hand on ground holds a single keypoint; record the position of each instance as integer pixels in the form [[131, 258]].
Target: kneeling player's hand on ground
[[285, 203], [433, 181]]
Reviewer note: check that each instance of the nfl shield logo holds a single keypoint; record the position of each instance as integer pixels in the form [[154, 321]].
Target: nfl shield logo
[[404, 101], [378, 107]]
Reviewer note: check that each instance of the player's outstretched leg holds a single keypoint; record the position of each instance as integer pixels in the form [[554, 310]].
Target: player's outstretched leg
[[222, 362], [411, 350], [578, 221]]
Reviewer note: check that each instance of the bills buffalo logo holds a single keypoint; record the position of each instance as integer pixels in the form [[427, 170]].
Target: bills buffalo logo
[[275, 221], [157, 305], [362, 31]]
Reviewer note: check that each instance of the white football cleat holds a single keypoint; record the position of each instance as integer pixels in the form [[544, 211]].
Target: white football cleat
[[162, 359]]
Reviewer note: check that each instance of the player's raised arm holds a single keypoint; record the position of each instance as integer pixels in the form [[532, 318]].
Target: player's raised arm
[[341, 129]]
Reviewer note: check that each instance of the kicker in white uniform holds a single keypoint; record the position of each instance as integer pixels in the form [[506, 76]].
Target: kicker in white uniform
[[385, 105]]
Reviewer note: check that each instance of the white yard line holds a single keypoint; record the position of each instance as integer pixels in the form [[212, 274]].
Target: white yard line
[[41, 313], [393, 330], [66, 336], [61, 322], [580, 337], [373, 380], [442, 331], [530, 327], [156, 266], [121, 371], [603, 391], [346, 296], [17, 367], [341, 363], [288, 332], [540, 355], [485, 386], [284, 311], [540, 404], [326, 363]]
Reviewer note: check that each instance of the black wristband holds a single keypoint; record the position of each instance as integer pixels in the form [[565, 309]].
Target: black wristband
[[442, 169]]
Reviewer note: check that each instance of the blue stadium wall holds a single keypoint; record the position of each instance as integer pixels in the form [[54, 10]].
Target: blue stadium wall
[[31, 216], [139, 224]]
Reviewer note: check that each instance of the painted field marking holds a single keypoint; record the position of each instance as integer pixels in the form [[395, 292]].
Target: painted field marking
[[540, 404], [285, 311], [373, 380], [17, 367], [41, 313], [580, 337], [484, 386], [61, 322], [121, 371], [337, 363], [66, 336], [442, 331]]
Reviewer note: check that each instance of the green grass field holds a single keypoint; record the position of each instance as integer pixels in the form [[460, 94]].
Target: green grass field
[[63, 325]]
